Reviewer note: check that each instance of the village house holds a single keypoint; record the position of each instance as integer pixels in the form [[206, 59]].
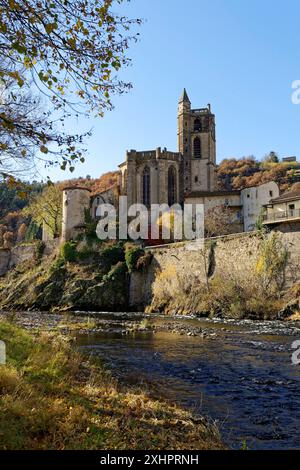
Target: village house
[[283, 212]]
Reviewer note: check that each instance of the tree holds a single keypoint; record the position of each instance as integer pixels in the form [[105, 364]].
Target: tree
[[24, 127], [68, 51], [272, 157], [218, 221], [47, 209], [14, 198]]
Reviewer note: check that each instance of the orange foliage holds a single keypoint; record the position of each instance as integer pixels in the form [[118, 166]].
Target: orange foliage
[[246, 172], [96, 185]]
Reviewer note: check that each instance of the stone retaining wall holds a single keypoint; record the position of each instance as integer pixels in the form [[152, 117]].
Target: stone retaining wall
[[235, 253]]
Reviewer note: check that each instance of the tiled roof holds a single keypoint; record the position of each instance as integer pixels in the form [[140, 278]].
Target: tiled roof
[[293, 193]]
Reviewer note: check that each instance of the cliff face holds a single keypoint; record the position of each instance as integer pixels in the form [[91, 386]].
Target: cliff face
[[95, 284]]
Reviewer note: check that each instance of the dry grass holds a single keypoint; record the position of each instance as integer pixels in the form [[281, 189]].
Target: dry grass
[[52, 398], [235, 294]]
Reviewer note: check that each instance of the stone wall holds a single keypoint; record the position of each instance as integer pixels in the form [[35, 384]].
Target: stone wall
[[234, 253]]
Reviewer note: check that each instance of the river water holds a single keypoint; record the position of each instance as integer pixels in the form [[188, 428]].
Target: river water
[[240, 374]]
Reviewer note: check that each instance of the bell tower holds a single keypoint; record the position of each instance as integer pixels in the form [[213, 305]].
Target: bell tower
[[184, 140], [197, 144]]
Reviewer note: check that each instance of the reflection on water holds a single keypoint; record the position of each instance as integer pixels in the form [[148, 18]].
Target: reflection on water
[[243, 378]]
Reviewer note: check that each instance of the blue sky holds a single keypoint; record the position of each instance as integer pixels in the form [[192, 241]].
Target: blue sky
[[240, 56]]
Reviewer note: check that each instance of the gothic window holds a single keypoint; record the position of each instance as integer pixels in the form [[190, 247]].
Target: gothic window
[[197, 147], [146, 186], [171, 186], [197, 125]]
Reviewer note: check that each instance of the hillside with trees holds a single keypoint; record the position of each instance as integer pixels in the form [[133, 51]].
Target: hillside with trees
[[245, 172], [25, 208]]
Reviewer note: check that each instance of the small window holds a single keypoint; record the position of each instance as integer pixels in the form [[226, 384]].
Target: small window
[[248, 195], [271, 193], [196, 179], [291, 207]]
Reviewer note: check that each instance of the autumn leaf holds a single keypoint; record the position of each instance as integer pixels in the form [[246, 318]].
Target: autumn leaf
[[50, 27], [44, 149]]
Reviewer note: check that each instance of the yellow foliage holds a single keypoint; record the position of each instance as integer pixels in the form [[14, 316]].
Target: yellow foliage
[[260, 265]]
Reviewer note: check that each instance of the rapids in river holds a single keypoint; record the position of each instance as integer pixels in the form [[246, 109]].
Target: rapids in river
[[239, 373]]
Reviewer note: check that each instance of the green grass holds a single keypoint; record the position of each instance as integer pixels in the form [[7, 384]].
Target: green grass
[[53, 398]]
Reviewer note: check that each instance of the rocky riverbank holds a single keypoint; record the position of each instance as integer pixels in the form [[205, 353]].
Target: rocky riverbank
[[53, 398], [77, 323]]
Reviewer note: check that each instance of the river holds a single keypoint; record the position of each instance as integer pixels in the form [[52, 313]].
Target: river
[[240, 374]]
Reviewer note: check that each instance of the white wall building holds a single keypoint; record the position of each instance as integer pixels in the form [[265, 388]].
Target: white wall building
[[253, 200]]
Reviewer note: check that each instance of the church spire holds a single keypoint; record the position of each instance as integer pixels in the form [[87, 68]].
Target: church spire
[[184, 97]]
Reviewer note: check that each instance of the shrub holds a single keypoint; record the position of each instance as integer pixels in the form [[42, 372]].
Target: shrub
[[119, 270], [131, 257], [84, 253], [112, 255], [144, 261], [57, 265], [272, 263], [68, 251], [90, 228], [39, 250], [33, 232]]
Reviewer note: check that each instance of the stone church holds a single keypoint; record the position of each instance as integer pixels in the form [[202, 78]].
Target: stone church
[[160, 176], [163, 177]]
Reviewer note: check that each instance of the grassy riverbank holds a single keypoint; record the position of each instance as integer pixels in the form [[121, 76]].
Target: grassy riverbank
[[51, 397]]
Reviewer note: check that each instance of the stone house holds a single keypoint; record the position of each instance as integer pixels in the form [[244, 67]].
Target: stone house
[[254, 199], [283, 212]]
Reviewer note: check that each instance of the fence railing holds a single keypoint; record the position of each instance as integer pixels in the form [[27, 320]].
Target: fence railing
[[282, 215]]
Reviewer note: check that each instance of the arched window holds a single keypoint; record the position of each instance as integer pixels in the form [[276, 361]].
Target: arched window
[[171, 186], [197, 125], [146, 186], [197, 147]]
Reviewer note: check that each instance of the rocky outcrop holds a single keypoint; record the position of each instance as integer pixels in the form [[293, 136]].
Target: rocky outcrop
[[9, 258], [54, 284]]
